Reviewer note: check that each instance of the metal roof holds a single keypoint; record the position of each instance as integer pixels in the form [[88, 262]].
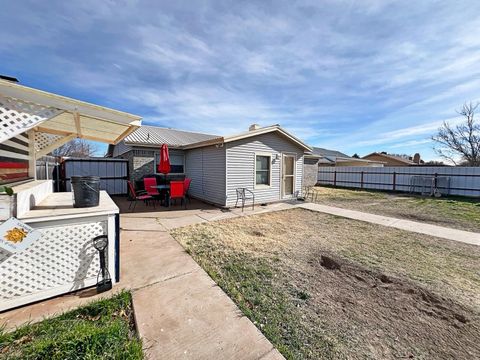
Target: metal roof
[[154, 135]]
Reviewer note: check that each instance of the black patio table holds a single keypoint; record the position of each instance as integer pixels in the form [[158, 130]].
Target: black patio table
[[166, 188]]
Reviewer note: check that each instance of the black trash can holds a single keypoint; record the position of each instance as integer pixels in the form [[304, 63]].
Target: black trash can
[[86, 191]]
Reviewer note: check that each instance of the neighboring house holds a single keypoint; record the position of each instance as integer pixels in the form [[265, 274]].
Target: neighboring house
[[394, 160], [336, 158], [325, 157], [267, 161]]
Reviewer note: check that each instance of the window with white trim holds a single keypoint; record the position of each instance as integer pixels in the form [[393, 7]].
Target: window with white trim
[[262, 169], [177, 163]]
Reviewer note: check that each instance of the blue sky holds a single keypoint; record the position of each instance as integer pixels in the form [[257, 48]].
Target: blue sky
[[356, 76]]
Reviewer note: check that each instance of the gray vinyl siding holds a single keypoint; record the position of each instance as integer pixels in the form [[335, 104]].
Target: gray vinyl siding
[[206, 167], [240, 157], [120, 149]]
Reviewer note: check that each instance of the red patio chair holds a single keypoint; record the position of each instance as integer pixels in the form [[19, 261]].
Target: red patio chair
[[150, 184], [134, 196], [177, 191], [186, 184]]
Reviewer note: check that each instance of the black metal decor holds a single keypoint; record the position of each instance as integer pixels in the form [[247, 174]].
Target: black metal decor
[[105, 283]]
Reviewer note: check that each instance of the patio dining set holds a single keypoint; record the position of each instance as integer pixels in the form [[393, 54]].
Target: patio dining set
[[164, 194]]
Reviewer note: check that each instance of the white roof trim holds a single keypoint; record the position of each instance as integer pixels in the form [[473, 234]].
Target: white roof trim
[[252, 133]]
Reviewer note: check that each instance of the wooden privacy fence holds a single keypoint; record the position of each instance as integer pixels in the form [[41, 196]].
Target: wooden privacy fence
[[463, 181]]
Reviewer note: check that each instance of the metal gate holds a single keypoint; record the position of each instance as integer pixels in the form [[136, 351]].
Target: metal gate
[[113, 173]]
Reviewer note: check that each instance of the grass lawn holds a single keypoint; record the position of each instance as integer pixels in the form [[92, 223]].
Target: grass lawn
[[101, 330], [456, 212], [324, 287]]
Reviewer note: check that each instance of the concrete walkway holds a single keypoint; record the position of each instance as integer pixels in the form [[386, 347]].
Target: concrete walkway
[[418, 227]]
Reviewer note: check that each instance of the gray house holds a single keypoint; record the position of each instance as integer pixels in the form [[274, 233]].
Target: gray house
[[266, 160]]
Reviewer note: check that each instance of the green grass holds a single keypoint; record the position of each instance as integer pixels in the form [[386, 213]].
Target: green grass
[[101, 330]]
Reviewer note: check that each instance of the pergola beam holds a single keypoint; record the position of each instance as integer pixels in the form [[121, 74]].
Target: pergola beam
[[124, 134]]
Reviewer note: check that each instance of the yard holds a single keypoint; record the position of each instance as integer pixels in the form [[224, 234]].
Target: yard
[[455, 212], [320, 286], [100, 330]]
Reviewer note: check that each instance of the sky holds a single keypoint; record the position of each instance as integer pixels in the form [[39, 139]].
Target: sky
[[355, 76]]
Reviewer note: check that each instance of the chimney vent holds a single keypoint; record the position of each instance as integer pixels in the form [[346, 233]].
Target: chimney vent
[[254, 127]]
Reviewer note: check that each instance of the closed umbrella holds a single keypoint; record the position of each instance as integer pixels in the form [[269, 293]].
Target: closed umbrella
[[164, 165]]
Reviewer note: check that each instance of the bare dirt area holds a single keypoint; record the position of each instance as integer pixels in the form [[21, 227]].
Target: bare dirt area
[[324, 287], [455, 212]]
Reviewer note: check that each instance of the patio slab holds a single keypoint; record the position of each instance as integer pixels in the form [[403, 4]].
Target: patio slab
[[194, 319], [141, 224], [173, 223]]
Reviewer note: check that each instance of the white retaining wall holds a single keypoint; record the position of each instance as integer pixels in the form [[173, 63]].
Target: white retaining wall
[[464, 181]]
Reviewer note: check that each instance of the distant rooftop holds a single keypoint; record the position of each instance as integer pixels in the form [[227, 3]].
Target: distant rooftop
[[394, 157], [329, 153]]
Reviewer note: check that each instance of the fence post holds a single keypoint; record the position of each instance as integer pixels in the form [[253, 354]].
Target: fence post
[[361, 180], [335, 178], [394, 181]]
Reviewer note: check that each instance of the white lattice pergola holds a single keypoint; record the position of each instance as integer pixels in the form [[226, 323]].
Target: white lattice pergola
[[52, 120]]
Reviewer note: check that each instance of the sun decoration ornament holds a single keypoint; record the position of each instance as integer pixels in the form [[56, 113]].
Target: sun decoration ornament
[[15, 235]]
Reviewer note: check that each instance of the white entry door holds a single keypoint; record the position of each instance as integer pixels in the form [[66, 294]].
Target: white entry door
[[288, 175]]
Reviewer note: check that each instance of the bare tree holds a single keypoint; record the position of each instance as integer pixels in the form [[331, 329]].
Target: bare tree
[[461, 140], [76, 148]]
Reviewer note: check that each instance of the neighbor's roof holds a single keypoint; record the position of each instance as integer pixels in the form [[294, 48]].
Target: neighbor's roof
[[58, 115], [393, 157], [252, 133], [328, 153], [333, 156], [154, 135]]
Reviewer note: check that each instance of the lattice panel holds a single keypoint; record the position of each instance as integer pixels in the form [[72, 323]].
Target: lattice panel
[[42, 140], [63, 255], [18, 116]]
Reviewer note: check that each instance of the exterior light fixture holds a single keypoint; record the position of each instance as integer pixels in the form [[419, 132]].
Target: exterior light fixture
[[104, 281]]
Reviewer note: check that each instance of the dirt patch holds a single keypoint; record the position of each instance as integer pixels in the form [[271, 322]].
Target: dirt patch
[[323, 287], [390, 317]]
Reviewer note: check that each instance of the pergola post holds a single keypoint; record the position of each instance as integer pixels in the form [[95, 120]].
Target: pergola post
[[32, 164]]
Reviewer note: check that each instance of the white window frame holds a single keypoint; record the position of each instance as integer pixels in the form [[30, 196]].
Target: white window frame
[[262, 186], [155, 164]]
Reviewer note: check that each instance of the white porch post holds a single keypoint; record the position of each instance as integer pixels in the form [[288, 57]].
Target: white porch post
[[32, 165]]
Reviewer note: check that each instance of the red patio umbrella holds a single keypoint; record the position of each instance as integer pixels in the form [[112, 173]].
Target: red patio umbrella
[[164, 165]]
